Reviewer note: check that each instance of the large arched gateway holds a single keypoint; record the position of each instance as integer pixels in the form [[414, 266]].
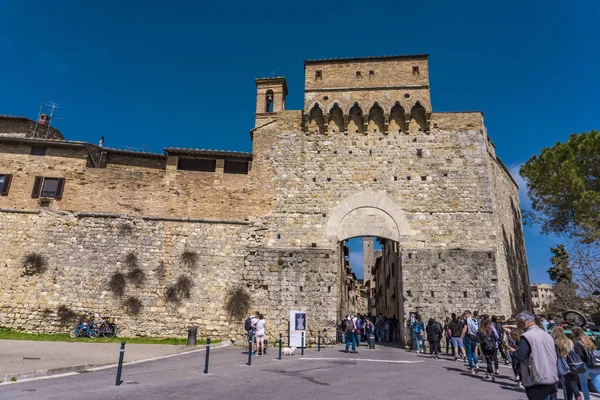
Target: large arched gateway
[[365, 156]]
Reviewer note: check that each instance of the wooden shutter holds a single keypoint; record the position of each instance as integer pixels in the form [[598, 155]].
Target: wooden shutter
[[37, 187], [60, 188], [6, 185]]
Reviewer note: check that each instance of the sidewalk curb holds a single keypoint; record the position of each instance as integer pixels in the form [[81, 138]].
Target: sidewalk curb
[[76, 369]]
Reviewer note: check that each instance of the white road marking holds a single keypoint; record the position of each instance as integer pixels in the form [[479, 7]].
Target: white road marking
[[39, 378], [361, 359]]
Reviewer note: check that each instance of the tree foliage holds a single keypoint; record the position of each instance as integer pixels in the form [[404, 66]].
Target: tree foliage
[[564, 187], [560, 270]]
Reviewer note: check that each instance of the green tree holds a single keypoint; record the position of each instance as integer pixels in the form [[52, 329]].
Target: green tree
[[564, 187], [560, 270]]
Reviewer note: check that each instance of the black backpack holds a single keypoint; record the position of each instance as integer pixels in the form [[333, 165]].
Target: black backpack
[[248, 324], [488, 341], [576, 365], [593, 358]]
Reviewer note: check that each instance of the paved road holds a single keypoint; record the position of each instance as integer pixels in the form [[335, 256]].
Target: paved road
[[25, 356], [384, 373]]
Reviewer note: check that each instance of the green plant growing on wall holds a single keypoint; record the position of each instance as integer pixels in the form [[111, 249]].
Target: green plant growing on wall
[[65, 315], [161, 270], [137, 277], [181, 289], [238, 302], [124, 229], [282, 264], [189, 259], [116, 284], [133, 305], [46, 313], [131, 261], [34, 264]]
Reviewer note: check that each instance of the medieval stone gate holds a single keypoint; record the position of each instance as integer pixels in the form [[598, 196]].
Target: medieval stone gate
[[366, 156]]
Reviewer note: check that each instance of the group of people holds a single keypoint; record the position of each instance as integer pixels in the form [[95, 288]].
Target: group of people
[[538, 349], [363, 328]]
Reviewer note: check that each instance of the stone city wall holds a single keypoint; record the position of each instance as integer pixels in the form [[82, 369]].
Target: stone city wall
[[83, 251]]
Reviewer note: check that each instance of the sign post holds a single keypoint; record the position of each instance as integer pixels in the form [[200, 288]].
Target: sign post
[[297, 328]]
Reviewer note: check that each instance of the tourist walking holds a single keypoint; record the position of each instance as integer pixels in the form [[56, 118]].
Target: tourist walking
[[456, 332], [513, 335], [585, 348], [489, 347], [418, 328], [260, 334], [470, 330], [350, 328], [446, 333], [565, 349], [369, 329], [379, 327], [433, 336], [386, 329], [537, 357]]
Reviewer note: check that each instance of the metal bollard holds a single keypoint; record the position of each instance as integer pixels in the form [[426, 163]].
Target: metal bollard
[[207, 354], [249, 352], [280, 341], [372, 342], [120, 367], [303, 342], [318, 340], [192, 334]]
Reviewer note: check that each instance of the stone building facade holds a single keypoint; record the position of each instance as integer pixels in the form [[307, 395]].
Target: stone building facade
[[366, 156], [542, 295]]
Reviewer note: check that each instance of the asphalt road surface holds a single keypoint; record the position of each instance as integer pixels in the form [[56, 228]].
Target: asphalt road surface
[[383, 373]]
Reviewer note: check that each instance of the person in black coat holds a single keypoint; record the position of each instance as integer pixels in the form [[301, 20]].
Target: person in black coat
[[434, 333]]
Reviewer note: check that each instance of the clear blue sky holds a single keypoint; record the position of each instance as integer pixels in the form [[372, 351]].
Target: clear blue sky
[[159, 74]]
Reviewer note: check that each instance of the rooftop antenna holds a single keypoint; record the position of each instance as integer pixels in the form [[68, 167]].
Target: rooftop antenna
[[46, 113]]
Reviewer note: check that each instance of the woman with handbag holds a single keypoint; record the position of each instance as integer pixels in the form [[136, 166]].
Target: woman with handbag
[[565, 349], [583, 347]]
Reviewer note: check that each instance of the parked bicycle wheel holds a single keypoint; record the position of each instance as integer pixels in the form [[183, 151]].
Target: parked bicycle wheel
[[93, 332], [109, 331], [74, 333]]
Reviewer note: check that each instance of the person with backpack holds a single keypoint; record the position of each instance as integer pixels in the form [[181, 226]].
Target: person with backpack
[[350, 328], [433, 336], [586, 350], [418, 328], [470, 330], [489, 346], [357, 329], [250, 326], [569, 364], [497, 329], [456, 331], [537, 358]]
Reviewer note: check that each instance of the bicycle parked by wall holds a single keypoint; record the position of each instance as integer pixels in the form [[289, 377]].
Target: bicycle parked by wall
[[106, 326], [85, 328]]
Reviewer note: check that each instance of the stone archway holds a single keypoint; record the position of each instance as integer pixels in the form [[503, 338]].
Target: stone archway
[[368, 213]]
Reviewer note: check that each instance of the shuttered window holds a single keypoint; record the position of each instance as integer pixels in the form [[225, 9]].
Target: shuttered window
[[5, 184], [197, 164], [236, 167], [48, 187]]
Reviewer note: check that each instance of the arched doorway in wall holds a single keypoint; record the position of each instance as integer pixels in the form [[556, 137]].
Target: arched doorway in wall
[[370, 229]]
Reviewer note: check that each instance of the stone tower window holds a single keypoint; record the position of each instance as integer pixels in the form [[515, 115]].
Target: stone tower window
[[415, 70], [371, 74], [5, 184], [319, 74], [358, 74], [269, 101]]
